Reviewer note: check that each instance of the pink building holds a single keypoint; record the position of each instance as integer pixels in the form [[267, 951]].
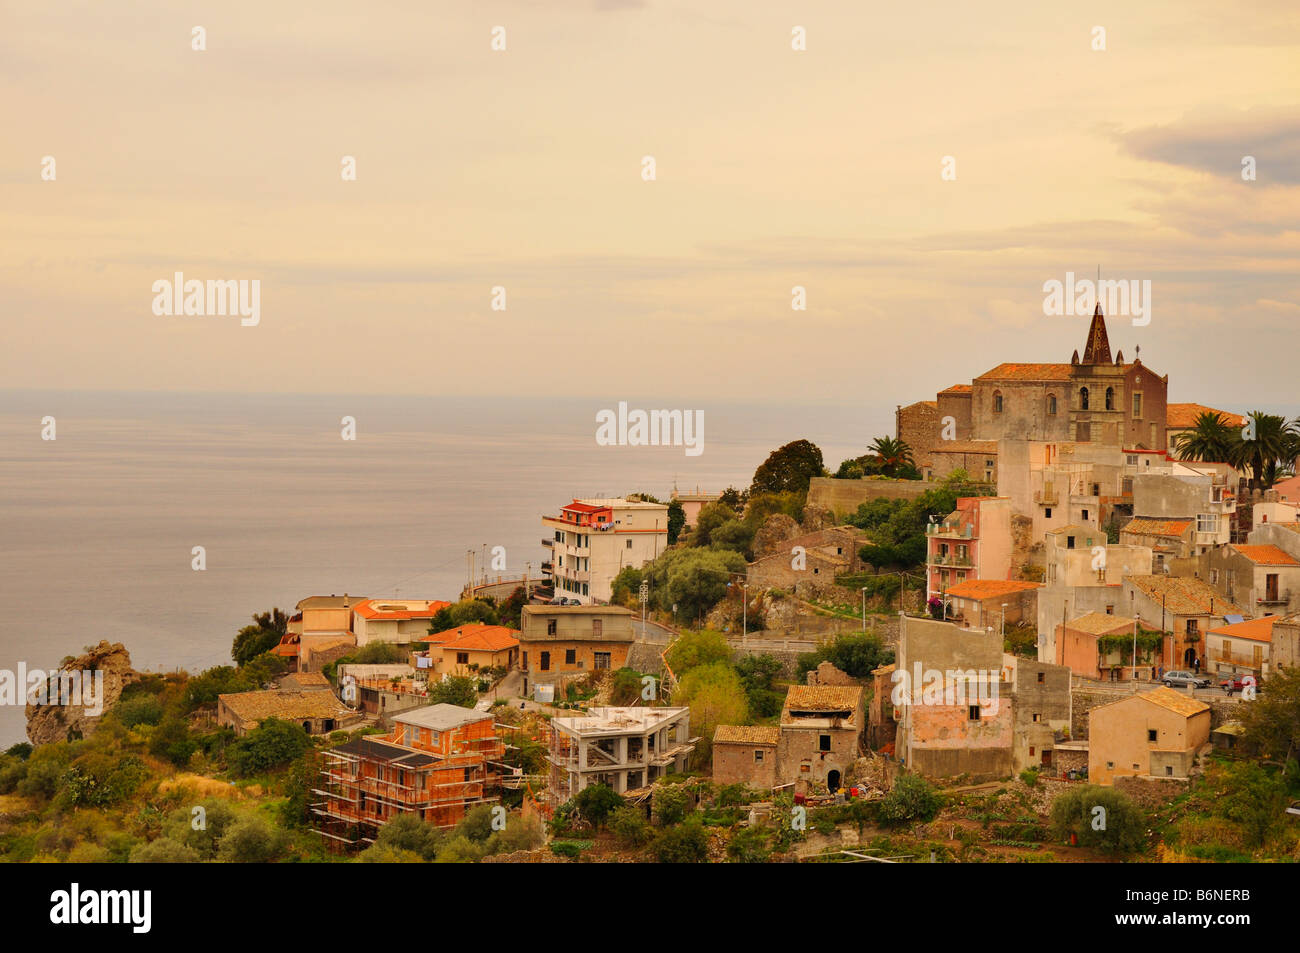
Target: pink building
[[972, 542]]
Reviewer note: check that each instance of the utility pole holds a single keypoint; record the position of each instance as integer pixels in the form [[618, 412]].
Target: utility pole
[[528, 571], [744, 611], [644, 595], [864, 608]]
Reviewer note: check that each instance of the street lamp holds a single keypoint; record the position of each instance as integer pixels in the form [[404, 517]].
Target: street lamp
[[1004, 621], [864, 608], [744, 611]]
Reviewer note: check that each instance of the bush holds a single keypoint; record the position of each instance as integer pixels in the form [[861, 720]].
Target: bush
[[520, 834], [1122, 825], [749, 845], [913, 798], [596, 802], [139, 710], [164, 850], [406, 833], [272, 743], [630, 828], [171, 740], [457, 690], [670, 804], [685, 843], [250, 840], [1030, 776]]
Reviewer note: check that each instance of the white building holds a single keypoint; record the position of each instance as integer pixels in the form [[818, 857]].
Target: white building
[[592, 540]]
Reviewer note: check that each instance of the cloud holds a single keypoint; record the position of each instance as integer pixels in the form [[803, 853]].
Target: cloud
[[1218, 144]]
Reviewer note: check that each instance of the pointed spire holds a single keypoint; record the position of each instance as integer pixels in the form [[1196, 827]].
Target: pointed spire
[[1075, 359], [1097, 350], [1119, 358]]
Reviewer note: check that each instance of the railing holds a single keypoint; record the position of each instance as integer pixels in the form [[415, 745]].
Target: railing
[[1047, 497], [948, 529], [939, 559]]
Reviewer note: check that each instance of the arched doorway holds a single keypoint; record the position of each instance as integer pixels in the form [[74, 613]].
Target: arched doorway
[[833, 781]]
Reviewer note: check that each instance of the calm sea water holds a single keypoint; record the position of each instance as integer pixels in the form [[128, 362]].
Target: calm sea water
[[97, 526]]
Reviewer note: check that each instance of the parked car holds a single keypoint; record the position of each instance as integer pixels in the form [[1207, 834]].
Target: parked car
[[1184, 678], [1237, 682], [1294, 808]]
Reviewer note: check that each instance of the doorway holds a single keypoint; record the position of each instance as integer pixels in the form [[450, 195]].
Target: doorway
[[833, 781]]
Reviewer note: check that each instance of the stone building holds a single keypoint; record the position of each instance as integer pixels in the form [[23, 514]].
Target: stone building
[[1150, 734], [820, 728], [1093, 399], [746, 754], [558, 644]]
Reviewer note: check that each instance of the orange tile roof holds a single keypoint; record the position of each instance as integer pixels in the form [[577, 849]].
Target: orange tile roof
[[988, 588], [1027, 372], [1149, 527], [1255, 630], [478, 637], [1267, 555], [1183, 595], [1176, 702], [958, 389], [400, 609], [1098, 623], [746, 735], [1183, 416], [821, 698]]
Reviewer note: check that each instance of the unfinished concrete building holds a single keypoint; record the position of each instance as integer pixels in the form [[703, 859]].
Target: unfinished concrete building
[[622, 748]]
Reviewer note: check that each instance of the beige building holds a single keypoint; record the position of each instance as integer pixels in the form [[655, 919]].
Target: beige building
[[322, 620], [972, 542], [1263, 578], [560, 643], [1182, 492], [400, 621], [1151, 734], [318, 712], [692, 503], [1241, 648], [980, 603], [591, 541]]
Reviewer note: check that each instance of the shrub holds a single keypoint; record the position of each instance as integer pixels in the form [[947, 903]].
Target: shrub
[[1120, 829], [1030, 776], [750, 845], [596, 802], [629, 827], [670, 804], [272, 743], [685, 843], [250, 840], [913, 798], [164, 850], [139, 710]]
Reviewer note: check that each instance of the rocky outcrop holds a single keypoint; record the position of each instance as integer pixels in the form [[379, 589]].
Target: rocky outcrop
[[776, 529], [53, 721]]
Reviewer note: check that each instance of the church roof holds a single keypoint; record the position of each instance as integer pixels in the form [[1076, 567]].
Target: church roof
[[1098, 348], [1027, 372]]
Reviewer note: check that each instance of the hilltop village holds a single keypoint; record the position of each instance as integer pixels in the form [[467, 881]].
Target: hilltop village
[[1052, 591]]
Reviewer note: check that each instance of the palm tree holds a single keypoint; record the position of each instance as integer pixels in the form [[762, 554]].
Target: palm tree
[[893, 454], [1272, 440], [1210, 439]]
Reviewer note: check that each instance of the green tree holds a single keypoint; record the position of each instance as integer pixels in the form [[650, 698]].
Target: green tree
[[465, 612], [912, 798], [686, 843], [1118, 828], [696, 580], [272, 743], [670, 804], [789, 469], [454, 690], [716, 696], [733, 498], [262, 636], [758, 674], [750, 845], [1271, 723], [171, 740], [692, 649], [1254, 798], [596, 802], [894, 454], [512, 609], [630, 828], [711, 517], [853, 653], [676, 520], [1211, 438], [250, 840], [1263, 454]]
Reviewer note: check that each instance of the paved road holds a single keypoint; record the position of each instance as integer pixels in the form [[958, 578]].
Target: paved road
[[1204, 694]]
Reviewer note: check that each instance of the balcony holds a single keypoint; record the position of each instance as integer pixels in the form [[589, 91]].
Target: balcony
[[948, 530], [548, 542], [1276, 599], [1047, 497], [950, 559]]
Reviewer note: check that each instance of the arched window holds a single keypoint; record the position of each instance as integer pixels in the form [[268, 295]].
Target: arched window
[[1051, 405], [1110, 398], [997, 402], [1083, 398]]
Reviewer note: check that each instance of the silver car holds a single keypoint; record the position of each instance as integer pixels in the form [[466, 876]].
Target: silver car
[[1184, 678]]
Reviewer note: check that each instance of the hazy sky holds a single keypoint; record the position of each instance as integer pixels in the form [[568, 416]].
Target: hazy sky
[[522, 169]]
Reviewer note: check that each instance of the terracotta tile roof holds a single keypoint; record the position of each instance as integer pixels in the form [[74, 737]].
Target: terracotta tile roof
[[1183, 416], [746, 735], [958, 389], [931, 403], [1184, 596], [1098, 623], [1149, 527], [400, 609], [821, 698], [989, 588], [1267, 555], [1256, 630], [478, 638], [1027, 372], [1176, 702], [252, 707]]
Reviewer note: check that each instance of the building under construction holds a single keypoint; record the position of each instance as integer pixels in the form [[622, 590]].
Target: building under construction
[[437, 762], [622, 748]]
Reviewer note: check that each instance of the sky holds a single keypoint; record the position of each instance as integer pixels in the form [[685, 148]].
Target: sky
[[522, 168]]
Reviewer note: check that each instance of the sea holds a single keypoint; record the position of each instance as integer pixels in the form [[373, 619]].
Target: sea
[[98, 526]]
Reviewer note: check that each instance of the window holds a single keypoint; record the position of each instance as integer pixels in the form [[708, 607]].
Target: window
[[629, 544], [1110, 610], [758, 756], [1110, 764], [597, 627], [1152, 735], [1085, 514], [1047, 513], [1083, 398], [462, 658], [1137, 409], [570, 656], [550, 626], [1207, 523], [1031, 751], [600, 660], [1191, 626], [1037, 718], [973, 713], [1051, 405], [823, 742], [1131, 459], [1042, 677], [997, 402], [1169, 770], [1069, 542], [546, 661], [1110, 398]]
